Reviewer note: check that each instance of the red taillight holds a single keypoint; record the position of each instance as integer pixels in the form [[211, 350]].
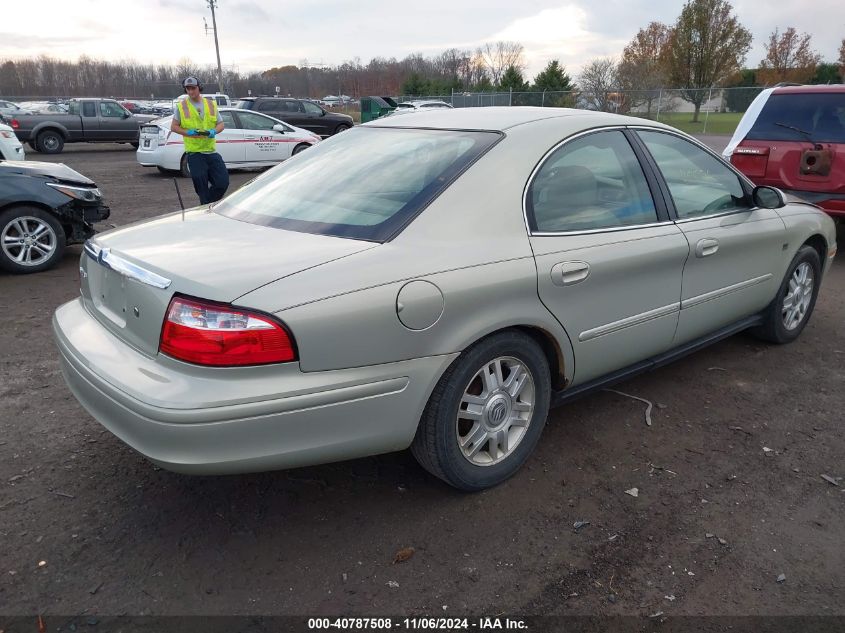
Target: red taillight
[[15, 124], [208, 333], [751, 161]]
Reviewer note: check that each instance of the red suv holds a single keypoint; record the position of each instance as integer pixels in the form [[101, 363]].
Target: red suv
[[793, 138]]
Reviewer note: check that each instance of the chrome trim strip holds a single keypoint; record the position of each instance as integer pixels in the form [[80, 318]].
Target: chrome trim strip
[[621, 324], [612, 229], [715, 294], [105, 257]]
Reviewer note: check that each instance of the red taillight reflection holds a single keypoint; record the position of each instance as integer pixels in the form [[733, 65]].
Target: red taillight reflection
[[212, 334], [15, 124]]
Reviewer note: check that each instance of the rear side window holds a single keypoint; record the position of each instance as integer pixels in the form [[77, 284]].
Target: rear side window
[[367, 183], [270, 106], [593, 182], [246, 104], [89, 108], [818, 117]]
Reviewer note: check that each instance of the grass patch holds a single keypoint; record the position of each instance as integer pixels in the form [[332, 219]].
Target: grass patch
[[708, 123]]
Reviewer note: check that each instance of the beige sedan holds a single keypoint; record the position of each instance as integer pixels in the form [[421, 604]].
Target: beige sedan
[[434, 282]]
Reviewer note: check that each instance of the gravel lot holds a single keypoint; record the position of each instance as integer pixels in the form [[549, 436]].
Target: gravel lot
[[718, 516]]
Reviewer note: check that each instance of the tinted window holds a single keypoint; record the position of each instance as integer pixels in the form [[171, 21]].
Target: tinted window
[[593, 182], [253, 121], [246, 104], [270, 106], [310, 108], [88, 108], [822, 116], [700, 184], [366, 183]]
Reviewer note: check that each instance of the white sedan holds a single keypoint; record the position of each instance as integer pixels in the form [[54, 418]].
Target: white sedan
[[10, 146], [250, 139]]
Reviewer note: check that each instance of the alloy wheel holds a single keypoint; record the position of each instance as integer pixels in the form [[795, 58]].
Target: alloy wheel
[[28, 241], [495, 411], [798, 296]]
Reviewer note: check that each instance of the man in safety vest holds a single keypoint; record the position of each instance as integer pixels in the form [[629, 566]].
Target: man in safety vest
[[198, 120]]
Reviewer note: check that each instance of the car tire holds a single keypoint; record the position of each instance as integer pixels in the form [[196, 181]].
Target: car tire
[[476, 432], [22, 223], [341, 128], [184, 170], [299, 149], [50, 142], [33, 145], [787, 315]]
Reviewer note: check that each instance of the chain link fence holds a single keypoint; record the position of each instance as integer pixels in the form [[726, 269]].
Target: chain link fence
[[719, 110]]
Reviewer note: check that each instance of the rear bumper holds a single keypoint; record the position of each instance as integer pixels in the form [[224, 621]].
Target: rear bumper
[[155, 407]]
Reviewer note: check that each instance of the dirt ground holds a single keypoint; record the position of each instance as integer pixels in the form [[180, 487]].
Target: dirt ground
[[730, 493]]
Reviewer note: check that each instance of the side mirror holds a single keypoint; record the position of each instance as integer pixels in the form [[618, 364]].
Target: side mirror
[[278, 127], [126, 115], [768, 197]]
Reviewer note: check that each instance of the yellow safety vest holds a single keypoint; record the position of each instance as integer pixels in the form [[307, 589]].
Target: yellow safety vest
[[191, 119]]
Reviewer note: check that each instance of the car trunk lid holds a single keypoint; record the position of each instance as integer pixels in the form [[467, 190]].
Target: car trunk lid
[[129, 276]]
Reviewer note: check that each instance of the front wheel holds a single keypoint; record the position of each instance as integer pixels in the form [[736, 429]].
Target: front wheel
[[486, 413], [787, 315], [341, 128], [300, 148], [31, 240]]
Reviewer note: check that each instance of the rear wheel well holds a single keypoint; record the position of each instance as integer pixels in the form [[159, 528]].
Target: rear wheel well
[[550, 348]]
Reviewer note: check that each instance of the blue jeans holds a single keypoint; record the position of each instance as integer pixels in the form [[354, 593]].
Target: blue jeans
[[208, 169]]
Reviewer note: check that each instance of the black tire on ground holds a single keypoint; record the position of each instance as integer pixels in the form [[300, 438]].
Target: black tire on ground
[[50, 142], [14, 223], [805, 265], [167, 172], [300, 148], [341, 128], [183, 167], [436, 444], [33, 145]]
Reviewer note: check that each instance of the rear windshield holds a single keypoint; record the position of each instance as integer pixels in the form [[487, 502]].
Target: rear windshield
[[366, 183], [245, 104], [819, 116]]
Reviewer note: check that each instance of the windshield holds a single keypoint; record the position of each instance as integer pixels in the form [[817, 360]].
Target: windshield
[[800, 117], [366, 183]]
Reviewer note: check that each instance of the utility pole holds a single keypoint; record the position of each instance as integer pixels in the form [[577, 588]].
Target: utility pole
[[212, 4]]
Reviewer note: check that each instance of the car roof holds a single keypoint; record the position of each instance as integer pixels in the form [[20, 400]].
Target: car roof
[[822, 88], [501, 118]]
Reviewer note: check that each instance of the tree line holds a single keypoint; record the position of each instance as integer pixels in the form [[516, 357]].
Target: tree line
[[706, 47]]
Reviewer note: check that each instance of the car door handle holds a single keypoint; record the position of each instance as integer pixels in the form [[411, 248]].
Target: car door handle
[[707, 246], [568, 273]]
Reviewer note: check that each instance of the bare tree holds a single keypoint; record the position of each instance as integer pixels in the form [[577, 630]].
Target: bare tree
[[842, 60], [707, 46], [788, 58], [599, 84], [499, 56]]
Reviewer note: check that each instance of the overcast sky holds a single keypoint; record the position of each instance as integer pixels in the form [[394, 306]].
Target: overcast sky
[[258, 34]]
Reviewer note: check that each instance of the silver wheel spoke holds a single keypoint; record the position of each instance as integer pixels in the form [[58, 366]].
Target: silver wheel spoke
[[46, 250], [522, 406], [474, 440]]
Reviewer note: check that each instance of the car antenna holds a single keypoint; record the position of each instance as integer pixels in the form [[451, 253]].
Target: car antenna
[[179, 195]]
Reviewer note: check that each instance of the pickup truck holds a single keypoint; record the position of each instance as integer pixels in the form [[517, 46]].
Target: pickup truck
[[87, 121]]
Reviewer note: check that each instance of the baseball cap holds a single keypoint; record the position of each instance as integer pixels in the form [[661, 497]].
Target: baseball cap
[[190, 81]]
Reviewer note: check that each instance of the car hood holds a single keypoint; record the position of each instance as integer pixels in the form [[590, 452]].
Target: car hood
[[213, 257], [145, 118], [59, 171]]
